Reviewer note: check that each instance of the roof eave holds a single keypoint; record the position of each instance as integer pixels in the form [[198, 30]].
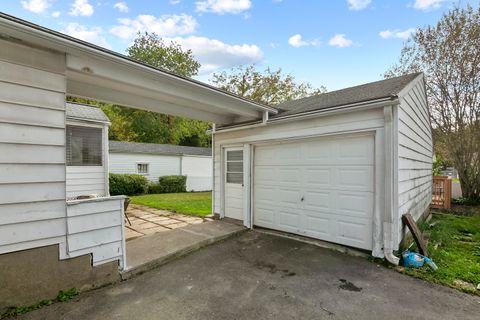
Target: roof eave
[[84, 54], [366, 105]]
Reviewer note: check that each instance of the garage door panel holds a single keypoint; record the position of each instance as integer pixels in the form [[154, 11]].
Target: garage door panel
[[288, 175], [354, 178], [320, 177], [356, 233], [265, 193], [318, 225], [288, 198], [357, 150], [288, 153], [265, 174], [319, 152], [264, 216], [333, 175], [355, 204], [317, 200], [288, 220]]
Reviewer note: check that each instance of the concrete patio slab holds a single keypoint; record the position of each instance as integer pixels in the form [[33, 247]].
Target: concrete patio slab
[[145, 220], [148, 252]]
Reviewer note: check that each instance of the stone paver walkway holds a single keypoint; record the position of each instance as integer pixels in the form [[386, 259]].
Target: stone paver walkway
[[146, 220]]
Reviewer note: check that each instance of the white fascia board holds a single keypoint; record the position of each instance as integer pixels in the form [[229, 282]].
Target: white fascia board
[[313, 114], [111, 74], [90, 91]]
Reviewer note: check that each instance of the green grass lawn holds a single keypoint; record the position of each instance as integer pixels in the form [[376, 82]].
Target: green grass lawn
[[454, 245], [191, 203]]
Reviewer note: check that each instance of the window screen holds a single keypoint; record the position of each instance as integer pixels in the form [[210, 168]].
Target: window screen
[[142, 168], [235, 166], [84, 146]]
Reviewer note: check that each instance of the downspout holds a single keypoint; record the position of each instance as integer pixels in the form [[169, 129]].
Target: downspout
[[213, 168], [388, 225]]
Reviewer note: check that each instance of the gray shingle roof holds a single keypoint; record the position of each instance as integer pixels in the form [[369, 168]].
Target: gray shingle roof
[[85, 112], [387, 88], [153, 148]]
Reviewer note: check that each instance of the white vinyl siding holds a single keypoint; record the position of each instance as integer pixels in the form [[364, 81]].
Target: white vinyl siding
[[96, 227], [159, 165], [198, 170], [85, 180], [32, 147], [414, 153]]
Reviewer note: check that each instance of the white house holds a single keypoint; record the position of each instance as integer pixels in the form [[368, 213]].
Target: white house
[[156, 160], [341, 167]]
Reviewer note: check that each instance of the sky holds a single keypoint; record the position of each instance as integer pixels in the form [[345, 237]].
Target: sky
[[331, 43]]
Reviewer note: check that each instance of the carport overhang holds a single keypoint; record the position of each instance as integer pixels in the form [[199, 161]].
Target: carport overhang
[[100, 74]]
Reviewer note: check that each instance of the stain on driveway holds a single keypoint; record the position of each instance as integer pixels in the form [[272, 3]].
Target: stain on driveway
[[259, 276]]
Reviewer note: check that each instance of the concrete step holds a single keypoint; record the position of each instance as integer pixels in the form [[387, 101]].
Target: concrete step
[[151, 251]]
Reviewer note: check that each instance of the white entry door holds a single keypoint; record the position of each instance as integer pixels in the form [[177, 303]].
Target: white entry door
[[234, 183], [322, 188]]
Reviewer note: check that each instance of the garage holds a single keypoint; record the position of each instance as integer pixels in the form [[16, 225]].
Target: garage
[[342, 166], [321, 188]]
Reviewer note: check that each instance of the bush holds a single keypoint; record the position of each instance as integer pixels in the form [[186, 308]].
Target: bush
[[169, 184], [127, 184], [155, 188]]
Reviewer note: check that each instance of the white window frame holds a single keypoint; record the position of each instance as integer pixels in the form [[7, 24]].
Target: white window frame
[[142, 163], [234, 161]]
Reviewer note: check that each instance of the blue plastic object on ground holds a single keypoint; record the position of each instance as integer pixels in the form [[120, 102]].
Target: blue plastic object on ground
[[412, 259], [415, 260]]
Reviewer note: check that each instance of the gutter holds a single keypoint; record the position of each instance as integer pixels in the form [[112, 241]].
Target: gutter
[[382, 102]]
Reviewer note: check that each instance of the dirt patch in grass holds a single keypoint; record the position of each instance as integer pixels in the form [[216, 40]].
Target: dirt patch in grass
[[454, 245]]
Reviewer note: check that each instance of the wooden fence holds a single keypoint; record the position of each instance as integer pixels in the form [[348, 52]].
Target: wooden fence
[[442, 192]]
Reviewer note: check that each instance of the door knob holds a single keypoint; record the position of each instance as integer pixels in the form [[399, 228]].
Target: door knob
[[303, 198]]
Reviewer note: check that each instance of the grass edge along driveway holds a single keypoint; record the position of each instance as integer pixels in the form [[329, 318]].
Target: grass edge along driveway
[[189, 203]]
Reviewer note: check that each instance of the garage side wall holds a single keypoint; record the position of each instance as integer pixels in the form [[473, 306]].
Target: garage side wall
[[198, 170], [32, 147], [414, 153]]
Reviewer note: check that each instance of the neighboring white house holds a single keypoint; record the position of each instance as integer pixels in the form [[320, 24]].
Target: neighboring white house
[[87, 151], [156, 160], [343, 166]]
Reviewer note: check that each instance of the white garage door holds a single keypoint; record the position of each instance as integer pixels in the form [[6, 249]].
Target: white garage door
[[321, 188]]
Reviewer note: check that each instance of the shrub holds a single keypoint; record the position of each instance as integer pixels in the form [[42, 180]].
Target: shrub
[[155, 188], [127, 184], [169, 184]]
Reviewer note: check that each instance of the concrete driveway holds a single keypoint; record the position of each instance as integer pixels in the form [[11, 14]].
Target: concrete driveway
[[259, 276]]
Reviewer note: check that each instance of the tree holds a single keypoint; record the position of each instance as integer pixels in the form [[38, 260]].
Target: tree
[[152, 50], [449, 55], [144, 126], [269, 87]]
